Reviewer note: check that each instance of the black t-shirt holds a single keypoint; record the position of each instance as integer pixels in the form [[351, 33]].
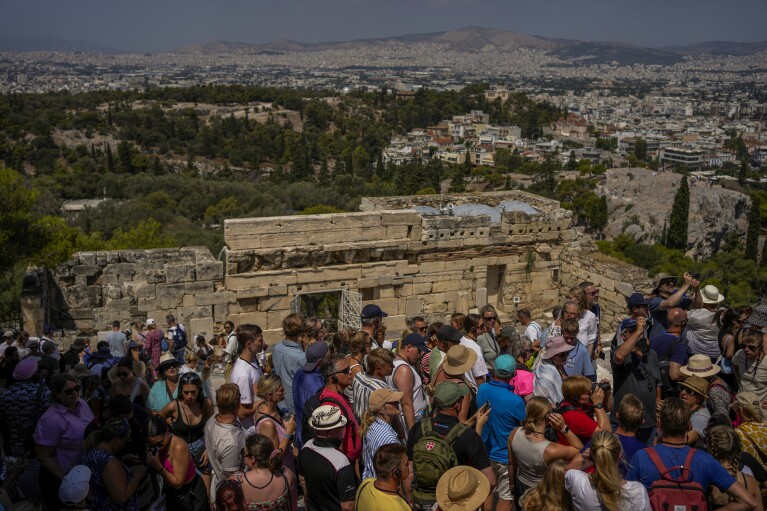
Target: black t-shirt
[[469, 448], [330, 478], [640, 377]]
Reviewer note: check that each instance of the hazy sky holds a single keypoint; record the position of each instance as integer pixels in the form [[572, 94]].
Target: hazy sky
[[157, 25]]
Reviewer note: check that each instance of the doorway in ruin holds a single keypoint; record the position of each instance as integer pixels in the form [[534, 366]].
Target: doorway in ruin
[[494, 285], [337, 308]]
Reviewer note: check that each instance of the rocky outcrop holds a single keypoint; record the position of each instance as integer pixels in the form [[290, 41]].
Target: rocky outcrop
[[640, 200]]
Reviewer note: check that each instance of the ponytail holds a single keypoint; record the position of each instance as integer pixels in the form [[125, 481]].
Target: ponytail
[[605, 453]]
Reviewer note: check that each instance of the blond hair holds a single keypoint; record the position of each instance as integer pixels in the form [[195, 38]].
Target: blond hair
[[549, 494], [605, 452], [535, 410], [268, 384]]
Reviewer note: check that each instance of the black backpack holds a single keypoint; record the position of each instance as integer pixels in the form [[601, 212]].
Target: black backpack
[[668, 386], [550, 433], [314, 402]]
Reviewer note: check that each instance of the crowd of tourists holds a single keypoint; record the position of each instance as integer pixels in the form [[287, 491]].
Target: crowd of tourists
[[455, 415]]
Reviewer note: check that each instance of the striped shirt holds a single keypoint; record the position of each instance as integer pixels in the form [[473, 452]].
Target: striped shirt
[[379, 433], [362, 386]]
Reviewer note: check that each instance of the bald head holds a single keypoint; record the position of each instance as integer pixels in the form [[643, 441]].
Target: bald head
[[677, 318]]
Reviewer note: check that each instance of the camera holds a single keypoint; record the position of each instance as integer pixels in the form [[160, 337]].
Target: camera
[[605, 386], [643, 346], [696, 276]]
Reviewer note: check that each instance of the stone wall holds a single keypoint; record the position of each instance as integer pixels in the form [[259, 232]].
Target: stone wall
[[93, 289], [615, 279], [406, 261]]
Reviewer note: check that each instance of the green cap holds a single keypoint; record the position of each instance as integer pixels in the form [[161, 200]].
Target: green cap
[[448, 392]]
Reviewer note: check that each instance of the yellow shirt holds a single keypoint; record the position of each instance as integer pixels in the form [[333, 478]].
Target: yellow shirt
[[370, 498]]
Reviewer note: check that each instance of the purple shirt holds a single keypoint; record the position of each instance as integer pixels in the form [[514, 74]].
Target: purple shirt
[[63, 429]]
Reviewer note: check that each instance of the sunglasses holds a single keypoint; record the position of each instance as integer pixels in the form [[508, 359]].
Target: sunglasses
[[72, 390], [342, 371], [751, 347], [190, 378], [595, 293], [689, 392], [490, 318], [423, 329], [122, 374]]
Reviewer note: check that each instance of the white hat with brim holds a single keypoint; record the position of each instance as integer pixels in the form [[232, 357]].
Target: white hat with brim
[[167, 359], [700, 365], [327, 417], [462, 488], [711, 295], [556, 345]]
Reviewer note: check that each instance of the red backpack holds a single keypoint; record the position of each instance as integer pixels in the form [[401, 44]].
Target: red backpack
[[676, 494]]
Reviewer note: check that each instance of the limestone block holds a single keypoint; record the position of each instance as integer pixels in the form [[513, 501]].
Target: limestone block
[[416, 232], [397, 280], [422, 288], [215, 298], [274, 304], [447, 285], [80, 297], [175, 273], [351, 221], [413, 307], [400, 217], [397, 231], [624, 288], [261, 279], [278, 290], [254, 318], [460, 265], [199, 287], [87, 258], [367, 282], [480, 296], [188, 301], [111, 292], [386, 292], [121, 269], [146, 304], [155, 277], [80, 313], [329, 274], [254, 292], [385, 280], [432, 267], [86, 270], [220, 312], [392, 306], [200, 326], [209, 270], [117, 306], [186, 314]]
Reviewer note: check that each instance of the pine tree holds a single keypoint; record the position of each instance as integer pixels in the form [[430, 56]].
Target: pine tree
[[680, 211], [110, 159], [752, 235]]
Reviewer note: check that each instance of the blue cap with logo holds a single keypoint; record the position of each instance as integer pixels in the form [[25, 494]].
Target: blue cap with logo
[[637, 300], [628, 325], [505, 366], [371, 311]]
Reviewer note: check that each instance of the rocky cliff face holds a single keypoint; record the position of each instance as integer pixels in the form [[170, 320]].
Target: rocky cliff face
[[640, 200]]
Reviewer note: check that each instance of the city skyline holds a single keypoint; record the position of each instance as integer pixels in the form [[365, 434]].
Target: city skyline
[[171, 24]]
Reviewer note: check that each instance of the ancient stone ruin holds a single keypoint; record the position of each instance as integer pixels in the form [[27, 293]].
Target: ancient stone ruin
[[426, 255]]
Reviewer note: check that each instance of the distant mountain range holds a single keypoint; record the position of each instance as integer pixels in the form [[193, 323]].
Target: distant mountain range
[[478, 39], [54, 44], [469, 39]]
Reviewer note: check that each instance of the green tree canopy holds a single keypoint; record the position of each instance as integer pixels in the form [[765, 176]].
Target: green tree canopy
[[676, 237]]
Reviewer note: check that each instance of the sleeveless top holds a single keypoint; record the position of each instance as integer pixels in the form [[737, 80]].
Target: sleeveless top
[[288, 459], [420, 403], [281, 503], [96, 460], [191, 470], [529, 456], [190, 433]]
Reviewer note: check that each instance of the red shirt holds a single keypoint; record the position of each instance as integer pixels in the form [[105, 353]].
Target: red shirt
[[351, 445], [580, 422]]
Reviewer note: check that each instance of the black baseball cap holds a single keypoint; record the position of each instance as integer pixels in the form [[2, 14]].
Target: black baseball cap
[[371, 311], [417, 340], [449, 333]]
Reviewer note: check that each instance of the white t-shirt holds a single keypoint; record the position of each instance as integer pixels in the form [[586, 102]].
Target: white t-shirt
[[232, 347], [245, 375], [587, 328], [117, 343], [479, 370], [533, 331], [585, 497]]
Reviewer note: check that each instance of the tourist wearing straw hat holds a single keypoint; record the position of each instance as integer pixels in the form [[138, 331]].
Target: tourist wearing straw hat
[[462, 489], [702, 324], [457, 362], [378, 425], [694, 391], [720, 397]]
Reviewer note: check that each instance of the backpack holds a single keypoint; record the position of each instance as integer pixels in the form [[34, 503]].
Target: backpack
[[550, 433], [677, 494], [178, 334], [314, 402], [668, 386], [433, 455]]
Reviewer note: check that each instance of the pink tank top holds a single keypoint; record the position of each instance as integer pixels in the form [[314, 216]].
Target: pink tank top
[[190, 471]]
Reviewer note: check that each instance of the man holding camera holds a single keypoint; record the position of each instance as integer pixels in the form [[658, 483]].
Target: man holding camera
[[635, 371], [666, 296]]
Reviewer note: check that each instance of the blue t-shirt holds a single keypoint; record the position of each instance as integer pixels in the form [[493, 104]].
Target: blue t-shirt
[[661, 343], [659, 317], [579, 362], [507, 411], [305, 385], [630, 447], [705, 469]]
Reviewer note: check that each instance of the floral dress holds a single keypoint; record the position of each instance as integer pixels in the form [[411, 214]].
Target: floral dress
[[281, 503], [96, 460]]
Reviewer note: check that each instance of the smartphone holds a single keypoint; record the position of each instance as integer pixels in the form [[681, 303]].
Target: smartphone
[[485, 407]]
